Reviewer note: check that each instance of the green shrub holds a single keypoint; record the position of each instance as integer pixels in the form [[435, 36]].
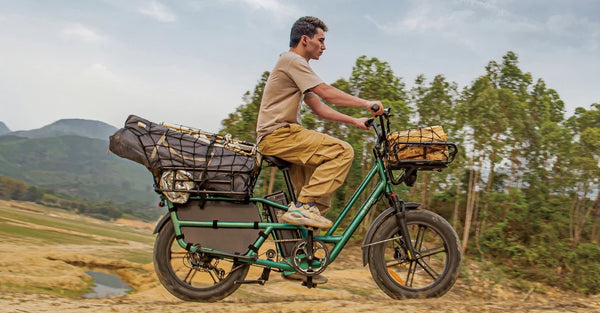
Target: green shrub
[[583, 265]]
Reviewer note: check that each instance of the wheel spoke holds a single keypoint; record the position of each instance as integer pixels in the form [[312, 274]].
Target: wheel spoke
[[212, 276], [433, 251], [395, 262], [419, 238], [410, 274], [190, 275], [428, 269]]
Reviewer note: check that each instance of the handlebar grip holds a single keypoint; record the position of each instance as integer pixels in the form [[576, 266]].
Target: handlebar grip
[[369, 122], [375, 107]]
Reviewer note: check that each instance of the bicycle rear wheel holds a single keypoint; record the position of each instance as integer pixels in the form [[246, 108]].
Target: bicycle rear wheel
[[193, 276], [434, 269]]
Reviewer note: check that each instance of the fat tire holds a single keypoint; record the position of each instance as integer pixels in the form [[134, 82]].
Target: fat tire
[[179, 288], [451, 243]]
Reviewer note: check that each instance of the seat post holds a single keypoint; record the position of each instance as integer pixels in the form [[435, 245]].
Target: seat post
[[288, 183], [284, 166]]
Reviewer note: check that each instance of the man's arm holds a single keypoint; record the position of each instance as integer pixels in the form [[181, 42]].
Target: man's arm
[[324, 111], [340, 98]]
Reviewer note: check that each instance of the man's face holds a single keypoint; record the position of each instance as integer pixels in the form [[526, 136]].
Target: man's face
[[316, 45]]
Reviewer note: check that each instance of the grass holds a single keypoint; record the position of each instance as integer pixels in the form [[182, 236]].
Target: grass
[[30, 224], [43, 237], [30, 227], [60, 219], [53, 291]]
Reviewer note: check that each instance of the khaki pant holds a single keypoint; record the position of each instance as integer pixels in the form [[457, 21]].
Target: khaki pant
[[320, 162]]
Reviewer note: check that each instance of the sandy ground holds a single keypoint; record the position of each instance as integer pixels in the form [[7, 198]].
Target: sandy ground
[[350, 288]]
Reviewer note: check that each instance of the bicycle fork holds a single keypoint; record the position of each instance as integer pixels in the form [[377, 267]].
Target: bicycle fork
[[401, 221]]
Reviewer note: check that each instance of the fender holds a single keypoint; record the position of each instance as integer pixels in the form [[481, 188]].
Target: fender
[[389, 212], [161, 223]]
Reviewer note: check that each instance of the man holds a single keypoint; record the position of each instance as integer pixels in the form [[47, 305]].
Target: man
[[320, 162]]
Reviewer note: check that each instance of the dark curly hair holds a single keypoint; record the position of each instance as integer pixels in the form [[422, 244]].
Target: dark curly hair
[[305, 26]]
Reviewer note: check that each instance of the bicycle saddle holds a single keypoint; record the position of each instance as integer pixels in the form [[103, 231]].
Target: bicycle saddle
[[273, 160]]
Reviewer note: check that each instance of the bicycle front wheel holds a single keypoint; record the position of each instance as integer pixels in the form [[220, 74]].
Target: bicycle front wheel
[[433, 270]]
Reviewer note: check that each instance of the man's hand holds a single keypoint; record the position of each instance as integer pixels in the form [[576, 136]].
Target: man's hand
[[360, 122], [369, 106]]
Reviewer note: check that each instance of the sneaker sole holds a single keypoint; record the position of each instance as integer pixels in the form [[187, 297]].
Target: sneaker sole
[[305, 222]]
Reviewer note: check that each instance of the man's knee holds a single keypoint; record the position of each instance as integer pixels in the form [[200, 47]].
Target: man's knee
[[348, 151]]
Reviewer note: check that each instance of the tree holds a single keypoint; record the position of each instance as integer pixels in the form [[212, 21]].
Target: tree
[[586, 127], [33, 194], [435, 106], [491, 110]]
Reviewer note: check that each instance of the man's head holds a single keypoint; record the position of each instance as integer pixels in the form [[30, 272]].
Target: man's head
[[309, 32]]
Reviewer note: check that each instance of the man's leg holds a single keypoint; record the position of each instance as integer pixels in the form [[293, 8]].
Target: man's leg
[[300, 176], [332, 162], [330, 158]]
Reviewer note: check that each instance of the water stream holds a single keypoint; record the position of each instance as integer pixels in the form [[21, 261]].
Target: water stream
[[107, 285]]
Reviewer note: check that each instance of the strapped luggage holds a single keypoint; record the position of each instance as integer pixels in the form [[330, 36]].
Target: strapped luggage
[[188, 161]]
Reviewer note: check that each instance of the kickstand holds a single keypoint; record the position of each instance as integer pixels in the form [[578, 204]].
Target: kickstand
[[309, 253], [309, 283], [265, 275]]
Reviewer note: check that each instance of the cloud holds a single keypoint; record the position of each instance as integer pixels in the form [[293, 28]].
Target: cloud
[[101, 72], [82, 33], [574, 31], [273, 6], [159, 12]]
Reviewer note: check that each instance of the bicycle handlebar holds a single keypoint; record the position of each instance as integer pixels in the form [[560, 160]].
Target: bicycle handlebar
[[374, 108]]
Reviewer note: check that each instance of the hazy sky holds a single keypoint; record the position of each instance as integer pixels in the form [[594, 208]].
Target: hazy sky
[[190, 61]]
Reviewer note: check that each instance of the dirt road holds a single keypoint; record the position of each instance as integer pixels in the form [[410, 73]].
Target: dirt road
[[292, 300]]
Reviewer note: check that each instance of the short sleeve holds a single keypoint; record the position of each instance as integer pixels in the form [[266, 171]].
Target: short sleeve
[[301, 73]]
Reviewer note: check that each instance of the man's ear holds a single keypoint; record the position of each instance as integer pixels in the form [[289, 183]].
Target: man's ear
[[304, 40]]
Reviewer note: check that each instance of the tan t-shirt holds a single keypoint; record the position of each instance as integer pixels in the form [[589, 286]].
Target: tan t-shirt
[[284, 91]]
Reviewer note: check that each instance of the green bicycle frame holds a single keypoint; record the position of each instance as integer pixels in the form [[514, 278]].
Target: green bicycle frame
[[339, 241]]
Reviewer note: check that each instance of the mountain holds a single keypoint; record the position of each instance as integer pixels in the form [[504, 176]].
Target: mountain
[[3, 129], [79, 127], [75, 166]]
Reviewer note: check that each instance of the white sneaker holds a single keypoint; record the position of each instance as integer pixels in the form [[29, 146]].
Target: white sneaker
[[306, 214]]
